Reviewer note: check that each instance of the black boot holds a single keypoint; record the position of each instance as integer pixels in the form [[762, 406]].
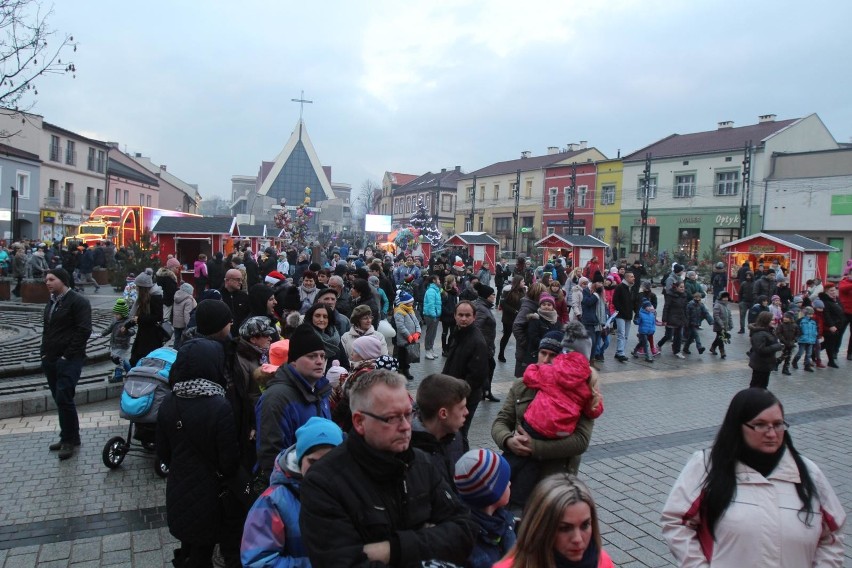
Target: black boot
[[490, 397], [501, 357], [786, 370]]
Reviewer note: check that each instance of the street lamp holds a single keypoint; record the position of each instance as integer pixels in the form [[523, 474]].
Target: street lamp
[[14, 213]]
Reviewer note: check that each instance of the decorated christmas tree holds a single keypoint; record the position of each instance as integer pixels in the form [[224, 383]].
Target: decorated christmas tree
[[295, 223], [423, 222]]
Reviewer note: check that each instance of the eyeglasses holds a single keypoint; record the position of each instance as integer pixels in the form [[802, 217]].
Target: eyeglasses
[[765, 428], [394, 420]]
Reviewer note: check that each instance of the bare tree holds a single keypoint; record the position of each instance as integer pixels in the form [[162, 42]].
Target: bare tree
[[25, 55], [363, 202]]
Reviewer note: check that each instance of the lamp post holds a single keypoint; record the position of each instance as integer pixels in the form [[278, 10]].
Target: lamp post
[[516, 193], [571, 197], [472, 202], [14, 213]]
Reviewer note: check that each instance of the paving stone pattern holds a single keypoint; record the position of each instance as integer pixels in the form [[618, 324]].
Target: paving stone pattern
[[79, 513]]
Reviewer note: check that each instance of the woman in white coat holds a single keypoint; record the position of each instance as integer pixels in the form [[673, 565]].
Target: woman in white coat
[[753, 500]]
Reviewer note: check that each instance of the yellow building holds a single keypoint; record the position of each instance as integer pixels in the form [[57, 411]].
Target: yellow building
[[609, 186]]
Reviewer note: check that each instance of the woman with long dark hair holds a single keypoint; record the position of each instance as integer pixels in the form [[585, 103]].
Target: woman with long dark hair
[[320, 321], [560, 528], [510, 304], [147, 315], [449, 299], [753, 500]]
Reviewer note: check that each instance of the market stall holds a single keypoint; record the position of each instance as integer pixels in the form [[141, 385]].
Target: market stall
[[186, 238], [800, 258], [256, 235], [480, 247], [578, 249]]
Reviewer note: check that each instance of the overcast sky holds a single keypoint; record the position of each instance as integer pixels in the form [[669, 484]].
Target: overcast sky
[[205, 87]]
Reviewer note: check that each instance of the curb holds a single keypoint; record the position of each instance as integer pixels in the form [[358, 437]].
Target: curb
[[39, 402]]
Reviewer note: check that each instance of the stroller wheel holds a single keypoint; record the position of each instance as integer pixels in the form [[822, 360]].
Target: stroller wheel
[[114, 452], [161, 469]]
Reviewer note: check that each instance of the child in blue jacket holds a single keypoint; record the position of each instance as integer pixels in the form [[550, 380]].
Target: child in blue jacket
[[271, 536], [647, 326], [807, 339]]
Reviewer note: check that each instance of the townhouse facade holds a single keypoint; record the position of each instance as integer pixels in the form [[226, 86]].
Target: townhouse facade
[[810, 194], [609, 183], [696, 188], [128, 183], [383, 199], [567, 185], [438, 191], [485, 200], [19, 170], [175, 194]]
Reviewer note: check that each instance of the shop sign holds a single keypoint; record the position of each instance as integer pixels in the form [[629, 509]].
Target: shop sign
[[651, 221], [48, 216], [728, 220], [690, 220], [761, 249], [577, 222], [526, 229]]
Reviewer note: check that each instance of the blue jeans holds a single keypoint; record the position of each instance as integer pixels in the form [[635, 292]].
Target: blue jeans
[[808, 349], [62, 377], [603, 342], [623, 328]]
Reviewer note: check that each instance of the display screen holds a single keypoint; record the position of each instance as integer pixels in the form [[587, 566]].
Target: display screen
[[377, 223]]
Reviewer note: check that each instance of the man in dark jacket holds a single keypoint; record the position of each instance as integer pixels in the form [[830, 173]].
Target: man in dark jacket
[[624, 301], [766, 285], [67, 327], [746, 298], [215, 271], [638, 271], [236, 298], [441, 412], [271, 262], [375, 500], [833, 320], [296, 392]]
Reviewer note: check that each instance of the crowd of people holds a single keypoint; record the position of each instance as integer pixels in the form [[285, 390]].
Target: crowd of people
[[292, 438]]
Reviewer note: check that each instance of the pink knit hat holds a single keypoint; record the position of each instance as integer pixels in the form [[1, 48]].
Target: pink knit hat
[[546, 298]]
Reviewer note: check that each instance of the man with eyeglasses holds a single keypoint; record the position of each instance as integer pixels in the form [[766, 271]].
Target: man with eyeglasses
[[235, 297], [376, 500]]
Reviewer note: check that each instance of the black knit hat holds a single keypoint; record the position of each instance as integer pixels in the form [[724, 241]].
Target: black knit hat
[[303, 341], [211, 316], [288, 298], [62, 275], [483, 290]]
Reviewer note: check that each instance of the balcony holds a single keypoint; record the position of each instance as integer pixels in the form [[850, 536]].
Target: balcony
[[54, 153], [52, 202], [68, 201]]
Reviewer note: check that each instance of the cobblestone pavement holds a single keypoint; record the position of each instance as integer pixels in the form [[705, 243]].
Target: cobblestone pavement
[[79, 513]]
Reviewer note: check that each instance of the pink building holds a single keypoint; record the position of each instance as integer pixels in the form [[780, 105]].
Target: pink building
[[557, 199]]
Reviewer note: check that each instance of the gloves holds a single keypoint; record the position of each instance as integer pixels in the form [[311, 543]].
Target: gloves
[[414, 337]]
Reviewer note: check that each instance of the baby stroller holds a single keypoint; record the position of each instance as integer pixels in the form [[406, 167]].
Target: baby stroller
[[145, 387]]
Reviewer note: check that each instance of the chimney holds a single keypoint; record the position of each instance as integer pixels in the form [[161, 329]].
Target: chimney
[[138, 154], [573, 146], [726, 124], [552, 150], [443, 170], [525, 154], [458, 169], [163, 167], [112, 145], [582, 145], [766, 118]]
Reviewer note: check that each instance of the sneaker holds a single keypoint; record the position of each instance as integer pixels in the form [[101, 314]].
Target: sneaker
[[656, 353], [686, 352], [833, 365], [679, 355], [621, 358], [809, 369], [430, 355], [649, 359], [701, 350]]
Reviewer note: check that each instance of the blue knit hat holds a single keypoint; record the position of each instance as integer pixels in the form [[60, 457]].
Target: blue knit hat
[[403, 297], [481, 477], [552, 341], [314, 433]]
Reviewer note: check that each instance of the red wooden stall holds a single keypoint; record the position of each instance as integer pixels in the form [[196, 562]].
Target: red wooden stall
[[578, 248], [480, 247], [187, 237], [800, 258]]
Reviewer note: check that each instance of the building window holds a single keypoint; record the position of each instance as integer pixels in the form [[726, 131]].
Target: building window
[[148, 203], [528, 190], [100, 199], [551, 194], [468, 193], [496, 191], [551, 230], [582, 193], [127, 197], [481, 223], [652, 238], [117, 200], [727, 183], [600, 234], [54, 148], [569, 196], [502, 225], [53, 189], [90, 198], [101, 163], [22, 184], [68, 197], [576, 231], [652, 187], [608, 195], [684, 185], [468, 224], [70, 154], [527, 221], [689, 241], [141, 199], [722, 236], [446, 203], [90, 161], [481, 193]]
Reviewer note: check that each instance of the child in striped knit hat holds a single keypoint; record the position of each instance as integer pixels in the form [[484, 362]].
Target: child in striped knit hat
[[482, 482]]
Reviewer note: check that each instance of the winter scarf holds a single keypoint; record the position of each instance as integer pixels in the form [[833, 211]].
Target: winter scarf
[[547, 315], [197, 388], [307, 291], [330, 339], [406, 309]]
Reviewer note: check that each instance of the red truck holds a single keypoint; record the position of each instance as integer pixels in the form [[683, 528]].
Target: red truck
[[121, 224]]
